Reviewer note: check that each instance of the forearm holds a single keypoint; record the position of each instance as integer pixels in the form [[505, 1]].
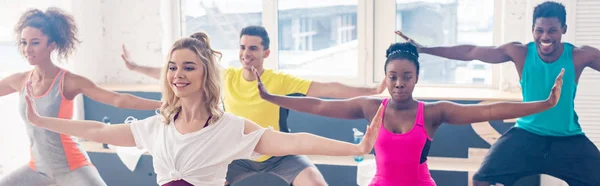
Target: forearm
[[310, 144], [128, 101], [510, 110], [459, 52], [80, 128], [153, 72]]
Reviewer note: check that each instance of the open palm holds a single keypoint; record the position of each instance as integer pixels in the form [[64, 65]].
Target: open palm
[[556, 89], [262, 91], [125, 56], [410, 40], [31, 112], [366, 145]]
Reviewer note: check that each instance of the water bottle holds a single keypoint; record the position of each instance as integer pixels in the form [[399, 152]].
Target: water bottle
[[105, 120], [358, 136]]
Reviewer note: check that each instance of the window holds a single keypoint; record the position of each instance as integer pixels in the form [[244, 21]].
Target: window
[[449, 22], [222, 20], [318, 38], [344, 40]]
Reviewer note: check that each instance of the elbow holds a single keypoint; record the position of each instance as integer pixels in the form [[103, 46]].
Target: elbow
[[120, 101]]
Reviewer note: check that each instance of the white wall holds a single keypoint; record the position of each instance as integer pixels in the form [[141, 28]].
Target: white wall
[[105, 25]]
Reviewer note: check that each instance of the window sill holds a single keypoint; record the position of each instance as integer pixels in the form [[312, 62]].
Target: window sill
[[422, 93]]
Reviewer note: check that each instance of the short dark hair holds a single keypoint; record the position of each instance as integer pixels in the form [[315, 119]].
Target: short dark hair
[[257, 31], [550, 9]]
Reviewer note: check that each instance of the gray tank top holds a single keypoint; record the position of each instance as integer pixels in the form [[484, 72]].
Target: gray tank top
[[52, 152]]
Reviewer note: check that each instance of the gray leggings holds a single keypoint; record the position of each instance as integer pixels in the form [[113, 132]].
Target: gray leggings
[[24, 176]]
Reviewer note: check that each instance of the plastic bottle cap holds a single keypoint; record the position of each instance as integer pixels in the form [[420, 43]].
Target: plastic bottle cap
[[105, 119], [357, 132]]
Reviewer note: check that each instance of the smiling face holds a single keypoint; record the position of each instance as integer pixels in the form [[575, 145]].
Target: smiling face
[[35, 46], [547, 34], [401, 79], [186, 73], [252, 52]]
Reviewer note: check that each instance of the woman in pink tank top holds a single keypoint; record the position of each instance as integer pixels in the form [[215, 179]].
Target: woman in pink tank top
[[408, 125]]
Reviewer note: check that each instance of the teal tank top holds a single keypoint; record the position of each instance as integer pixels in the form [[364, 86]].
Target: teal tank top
[[537, 79]]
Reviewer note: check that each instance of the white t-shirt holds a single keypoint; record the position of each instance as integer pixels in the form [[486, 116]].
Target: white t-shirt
[[201, 157]]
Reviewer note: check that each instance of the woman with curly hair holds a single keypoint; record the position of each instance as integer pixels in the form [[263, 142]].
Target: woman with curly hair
[[55, 158]]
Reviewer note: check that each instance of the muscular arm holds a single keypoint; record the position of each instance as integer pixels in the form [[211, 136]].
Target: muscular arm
[[488, 54], [592, 56], [108, 97]]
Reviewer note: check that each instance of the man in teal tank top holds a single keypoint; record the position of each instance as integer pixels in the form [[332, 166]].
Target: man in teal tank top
[[549, 142]]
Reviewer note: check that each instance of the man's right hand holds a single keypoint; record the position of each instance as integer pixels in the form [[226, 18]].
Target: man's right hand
[[411, 41], [128, 62]]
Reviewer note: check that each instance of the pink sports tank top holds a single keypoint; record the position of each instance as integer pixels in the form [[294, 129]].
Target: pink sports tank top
[[402, 158]]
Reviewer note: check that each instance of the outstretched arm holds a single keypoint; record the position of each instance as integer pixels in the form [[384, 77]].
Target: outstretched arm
[[108, 97], [310, 144], [466, 114], [346, 108], [119, 135], [339, 90], [488, 54], [153, 72]]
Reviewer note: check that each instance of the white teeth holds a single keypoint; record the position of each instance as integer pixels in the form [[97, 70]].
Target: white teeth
[[181, 84], [546, 44]]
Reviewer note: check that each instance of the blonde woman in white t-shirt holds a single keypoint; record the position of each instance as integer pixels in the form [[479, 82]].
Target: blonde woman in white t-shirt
[[192, 140]]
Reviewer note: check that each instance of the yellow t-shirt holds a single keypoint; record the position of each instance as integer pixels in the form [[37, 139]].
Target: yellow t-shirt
[[241, 97]]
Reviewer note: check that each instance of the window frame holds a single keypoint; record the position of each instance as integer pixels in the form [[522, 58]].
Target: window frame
[[385, 14], [372, 17]]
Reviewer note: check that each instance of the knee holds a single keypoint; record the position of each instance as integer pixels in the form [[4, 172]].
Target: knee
[[310, 176]]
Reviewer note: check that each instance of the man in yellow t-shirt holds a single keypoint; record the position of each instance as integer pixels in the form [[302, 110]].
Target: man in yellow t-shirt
[[241, 98]]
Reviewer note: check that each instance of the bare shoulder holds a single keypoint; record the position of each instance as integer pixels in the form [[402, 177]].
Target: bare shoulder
[[74, 84], [17, 80], [516, 50], [75, 80], [515, 47], [585, 53], [438, 106], [370, 105], [434, 112]]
